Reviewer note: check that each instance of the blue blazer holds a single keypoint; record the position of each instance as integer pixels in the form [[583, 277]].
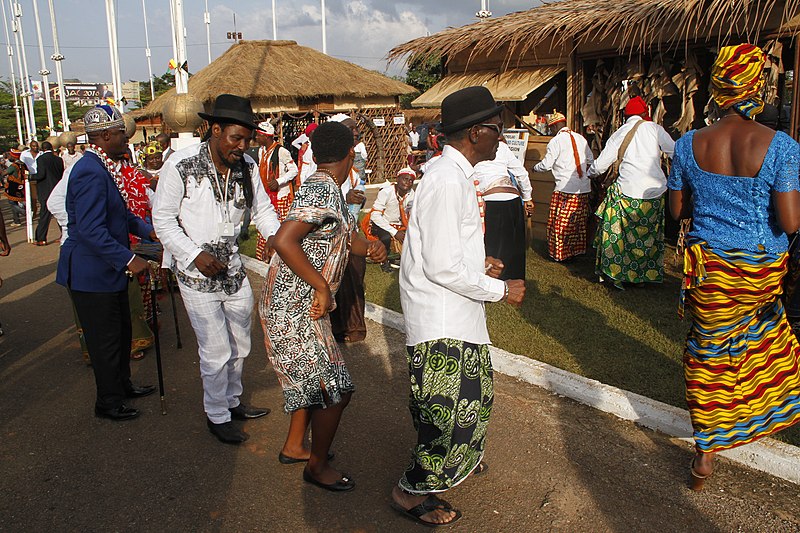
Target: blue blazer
[[96, 253]]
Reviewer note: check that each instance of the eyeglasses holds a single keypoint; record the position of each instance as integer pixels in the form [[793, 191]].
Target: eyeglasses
[[496, 127]]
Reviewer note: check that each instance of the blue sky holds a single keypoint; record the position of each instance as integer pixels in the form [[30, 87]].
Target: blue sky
[[360, 31]]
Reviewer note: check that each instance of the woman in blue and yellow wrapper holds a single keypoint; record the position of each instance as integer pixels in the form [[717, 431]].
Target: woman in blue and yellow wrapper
[[738, 181]]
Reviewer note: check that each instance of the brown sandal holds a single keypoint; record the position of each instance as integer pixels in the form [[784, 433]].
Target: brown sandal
[[698, 480]]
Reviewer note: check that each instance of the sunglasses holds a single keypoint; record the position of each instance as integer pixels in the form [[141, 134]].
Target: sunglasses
[[496, 127]]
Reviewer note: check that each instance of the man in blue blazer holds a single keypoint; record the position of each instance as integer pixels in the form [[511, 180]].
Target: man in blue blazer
[[96, 258]]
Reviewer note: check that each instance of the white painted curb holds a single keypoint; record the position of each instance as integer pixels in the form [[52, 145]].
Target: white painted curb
[[767, 455]]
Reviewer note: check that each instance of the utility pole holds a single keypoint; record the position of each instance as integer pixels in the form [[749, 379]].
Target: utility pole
[[484, 13], [147, 52], [324, 37], [274, 23], [207, 20], [58, 58], [10, 52], [43, 71]]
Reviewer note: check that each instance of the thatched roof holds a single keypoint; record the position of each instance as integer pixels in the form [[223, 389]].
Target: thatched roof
[[270, 72], [627, 23]]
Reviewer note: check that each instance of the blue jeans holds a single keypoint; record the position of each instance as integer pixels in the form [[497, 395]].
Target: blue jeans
[[17, 210]]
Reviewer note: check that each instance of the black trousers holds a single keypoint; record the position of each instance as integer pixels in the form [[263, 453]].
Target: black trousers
[[106, 321], [505, 236], [43, 191], [384, 236]]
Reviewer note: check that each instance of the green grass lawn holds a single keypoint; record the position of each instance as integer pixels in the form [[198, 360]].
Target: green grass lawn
[[630, 339]]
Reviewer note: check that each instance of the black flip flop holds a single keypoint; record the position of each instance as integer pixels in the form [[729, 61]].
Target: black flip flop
[[340, 485], [482, 468], [431, 503]]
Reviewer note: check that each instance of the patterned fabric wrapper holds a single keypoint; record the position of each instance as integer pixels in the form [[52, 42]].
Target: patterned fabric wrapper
[[630, 238], [451, 400], [566, 225], [741, 359], [303, 351], [736, 79]]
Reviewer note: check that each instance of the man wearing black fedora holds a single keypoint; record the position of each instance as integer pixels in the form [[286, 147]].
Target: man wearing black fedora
[[445, 278], [198, 209]]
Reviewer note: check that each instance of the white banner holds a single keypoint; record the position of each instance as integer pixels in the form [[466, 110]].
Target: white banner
[[517, 140]]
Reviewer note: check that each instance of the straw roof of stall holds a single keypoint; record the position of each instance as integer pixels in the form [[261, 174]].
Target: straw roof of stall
[[277, 71], [626, 23]]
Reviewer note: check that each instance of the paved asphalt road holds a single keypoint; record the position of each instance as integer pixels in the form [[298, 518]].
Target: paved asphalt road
[[555, 465]]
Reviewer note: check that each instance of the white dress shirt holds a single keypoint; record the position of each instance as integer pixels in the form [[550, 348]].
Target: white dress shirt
[[57, 203], [70, 159], [287, 168], [640, 174], [443, 285], [187, 215], [30, 161], [386, 208], [494, 173], [560, 159], [309, 165]]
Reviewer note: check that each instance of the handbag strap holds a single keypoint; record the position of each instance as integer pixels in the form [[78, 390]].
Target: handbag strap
[[624, 146]]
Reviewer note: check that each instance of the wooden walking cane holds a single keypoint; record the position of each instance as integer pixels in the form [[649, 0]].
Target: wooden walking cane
[[153, 282]]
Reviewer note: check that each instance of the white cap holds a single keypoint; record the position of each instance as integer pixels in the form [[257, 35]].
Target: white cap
[[407, 170], [266, 127], [339, 117]]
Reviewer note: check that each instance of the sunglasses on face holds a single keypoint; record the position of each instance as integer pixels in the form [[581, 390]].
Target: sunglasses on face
[[496, 127]]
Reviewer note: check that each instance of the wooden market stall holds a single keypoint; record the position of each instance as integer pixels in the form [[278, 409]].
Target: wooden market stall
[[295, 85], [661, 49]]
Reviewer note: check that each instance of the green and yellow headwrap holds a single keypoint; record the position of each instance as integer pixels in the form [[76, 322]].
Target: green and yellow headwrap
[[153, 147], [736, 79]]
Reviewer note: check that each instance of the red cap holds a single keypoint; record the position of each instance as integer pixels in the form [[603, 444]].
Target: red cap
[[310, 128], [636, 106]]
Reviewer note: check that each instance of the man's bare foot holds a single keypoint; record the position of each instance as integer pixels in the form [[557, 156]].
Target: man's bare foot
[[438, 515]]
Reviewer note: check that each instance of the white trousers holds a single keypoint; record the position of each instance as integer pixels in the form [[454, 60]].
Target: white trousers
[[221, 324]]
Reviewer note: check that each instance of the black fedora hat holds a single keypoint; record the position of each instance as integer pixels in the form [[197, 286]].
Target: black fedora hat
[[467, 107], [229, 108]]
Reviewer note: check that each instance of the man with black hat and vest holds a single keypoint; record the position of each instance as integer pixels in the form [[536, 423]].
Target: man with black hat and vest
[[96, 256], [445, 278], [202, 194]]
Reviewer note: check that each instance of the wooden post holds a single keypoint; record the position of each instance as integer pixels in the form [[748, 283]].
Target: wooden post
[[795, 90]]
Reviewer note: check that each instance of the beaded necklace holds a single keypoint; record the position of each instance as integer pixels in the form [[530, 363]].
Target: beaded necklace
[[113, 168], [481, 204]]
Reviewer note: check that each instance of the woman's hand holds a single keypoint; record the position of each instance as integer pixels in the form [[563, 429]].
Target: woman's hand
[[321, 302]]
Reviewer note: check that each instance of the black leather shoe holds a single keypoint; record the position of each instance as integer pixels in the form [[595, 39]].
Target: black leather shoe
[[242, 412], [118, 414], [227, 432], [137, 392]]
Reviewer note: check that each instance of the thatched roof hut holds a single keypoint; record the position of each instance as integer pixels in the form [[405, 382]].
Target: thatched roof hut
[[621, 24], [282, 76]]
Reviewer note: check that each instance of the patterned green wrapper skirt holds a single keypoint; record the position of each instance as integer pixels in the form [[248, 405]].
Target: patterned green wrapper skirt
[[451, 399], [630, 239]]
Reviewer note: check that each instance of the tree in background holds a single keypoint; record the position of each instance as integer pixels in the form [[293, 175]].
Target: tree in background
[[161, 84], [8, 120], [423, 73]]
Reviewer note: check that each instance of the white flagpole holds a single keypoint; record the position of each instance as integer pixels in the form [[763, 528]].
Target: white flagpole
[[147, 52], [111, 18], [10, 52], [28, 86], [274, 22], [44, 72], [58, 58], [181, 76], [324, 37], [26, 114]]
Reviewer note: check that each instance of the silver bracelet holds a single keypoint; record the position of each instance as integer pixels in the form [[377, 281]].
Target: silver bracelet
[[505, 291]]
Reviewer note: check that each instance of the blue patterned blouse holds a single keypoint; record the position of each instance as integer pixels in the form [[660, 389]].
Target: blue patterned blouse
[[734, 212]]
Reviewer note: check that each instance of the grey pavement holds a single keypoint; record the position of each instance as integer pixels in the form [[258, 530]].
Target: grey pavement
[[555, 465]]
